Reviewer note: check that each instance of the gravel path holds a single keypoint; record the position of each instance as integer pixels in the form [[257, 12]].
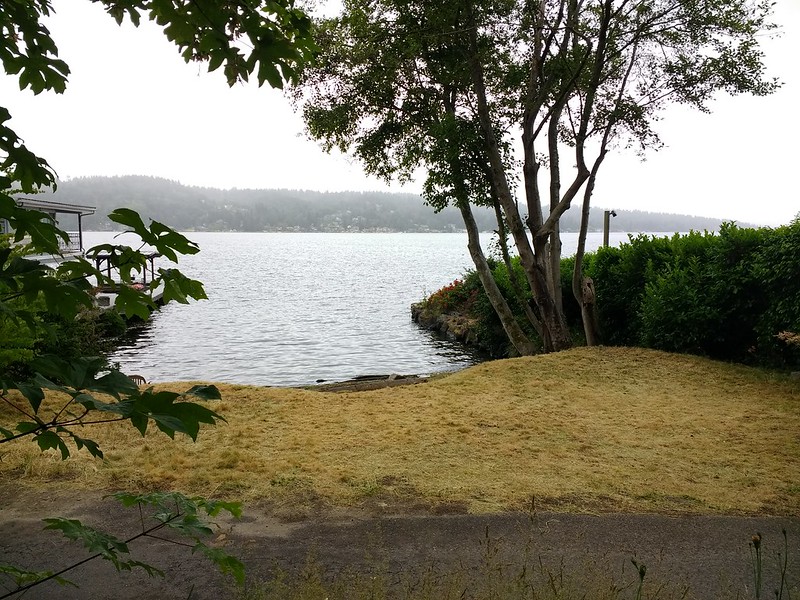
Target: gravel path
[[710, 554]]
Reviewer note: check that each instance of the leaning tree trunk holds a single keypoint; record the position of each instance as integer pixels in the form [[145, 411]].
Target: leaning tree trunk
[[520, 295], [516, 336], [582, 286]]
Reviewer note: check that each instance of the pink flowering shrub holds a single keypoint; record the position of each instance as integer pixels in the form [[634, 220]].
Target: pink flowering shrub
[[456, 296]]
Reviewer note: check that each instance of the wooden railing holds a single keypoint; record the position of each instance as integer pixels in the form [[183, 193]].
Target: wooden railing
[[74, 243]]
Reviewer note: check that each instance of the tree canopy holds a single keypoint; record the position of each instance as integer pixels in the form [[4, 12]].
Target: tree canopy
[[487, 93]]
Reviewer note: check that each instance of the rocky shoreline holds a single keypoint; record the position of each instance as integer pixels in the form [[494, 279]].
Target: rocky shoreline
[[367, 382], [455, 327]]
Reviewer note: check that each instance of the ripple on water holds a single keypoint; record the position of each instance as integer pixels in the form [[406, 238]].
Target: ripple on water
[[288, 309], [291, 308]]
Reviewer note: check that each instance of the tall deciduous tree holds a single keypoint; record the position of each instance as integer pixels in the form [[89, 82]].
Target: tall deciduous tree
[[483, 93]]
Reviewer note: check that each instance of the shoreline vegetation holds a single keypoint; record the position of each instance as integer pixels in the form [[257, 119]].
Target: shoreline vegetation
[[585, 430], [732, 295]]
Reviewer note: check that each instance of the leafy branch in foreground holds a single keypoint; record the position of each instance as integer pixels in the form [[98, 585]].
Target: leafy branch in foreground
[[89, 395], [268, 39], [172, 511]]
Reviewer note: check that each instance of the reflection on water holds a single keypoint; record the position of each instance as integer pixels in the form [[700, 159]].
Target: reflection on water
[[292, 308]]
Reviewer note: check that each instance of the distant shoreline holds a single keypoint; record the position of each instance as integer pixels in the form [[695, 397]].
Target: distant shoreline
[[389, 231], [187, 208]]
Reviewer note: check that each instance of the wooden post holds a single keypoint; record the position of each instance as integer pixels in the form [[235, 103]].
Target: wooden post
[[606, 222]]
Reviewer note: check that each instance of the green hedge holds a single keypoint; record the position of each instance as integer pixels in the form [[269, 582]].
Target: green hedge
[[726, 295]]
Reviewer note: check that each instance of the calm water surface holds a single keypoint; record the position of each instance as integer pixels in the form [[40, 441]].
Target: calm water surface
[[293, 308]]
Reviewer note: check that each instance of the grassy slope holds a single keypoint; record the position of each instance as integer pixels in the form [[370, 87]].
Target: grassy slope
[[588, 429]]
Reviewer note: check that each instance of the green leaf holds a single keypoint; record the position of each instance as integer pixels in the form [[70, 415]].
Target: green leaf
[[188, 525], [170, 416], [179, 513], [130, 218], [91, 402], [227, 564], [90, 445], [179, 287], [170, 502], [51, 369], [191, 415], [99, 542], [38, 225], [133, 303], [33, 394], [113, 383], [65, 299], [214, 507], [27, 426], [94, 540], [204, 392], [174, 293], [48, 440], [24, 577], [168, 424], [149, 569], [139, 421]]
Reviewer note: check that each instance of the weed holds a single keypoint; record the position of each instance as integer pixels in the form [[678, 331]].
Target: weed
[[755, 554]]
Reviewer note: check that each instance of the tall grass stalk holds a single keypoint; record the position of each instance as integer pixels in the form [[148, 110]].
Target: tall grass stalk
[[755, 554], [642, 571], [783, 565]]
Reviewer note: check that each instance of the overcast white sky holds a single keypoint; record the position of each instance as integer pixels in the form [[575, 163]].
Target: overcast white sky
[[134, 107]]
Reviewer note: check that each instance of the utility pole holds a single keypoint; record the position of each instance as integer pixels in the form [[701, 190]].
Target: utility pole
[[606, 222]]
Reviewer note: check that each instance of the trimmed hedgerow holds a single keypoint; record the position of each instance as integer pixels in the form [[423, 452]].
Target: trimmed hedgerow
[[727, 295], [732, 295]]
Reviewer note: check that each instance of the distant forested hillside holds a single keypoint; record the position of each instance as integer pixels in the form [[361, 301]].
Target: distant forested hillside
[[207, 209]]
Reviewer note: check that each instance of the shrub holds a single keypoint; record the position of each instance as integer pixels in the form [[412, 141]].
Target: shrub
[[620, 276], [449, 298], [723, 295], [90, 334], [777, 267], [734, 295], [675, 314]]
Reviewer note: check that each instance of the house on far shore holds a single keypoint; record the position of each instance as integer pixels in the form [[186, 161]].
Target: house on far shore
[[68, 217]]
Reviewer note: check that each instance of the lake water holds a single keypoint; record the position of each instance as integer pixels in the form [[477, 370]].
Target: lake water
[[292, 308]]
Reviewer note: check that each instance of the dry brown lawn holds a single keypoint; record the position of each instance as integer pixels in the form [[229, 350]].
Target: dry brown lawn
[[591, 429]]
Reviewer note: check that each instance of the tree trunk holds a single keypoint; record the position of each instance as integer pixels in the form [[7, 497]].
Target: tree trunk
[[591, 326], [502, 236], [583, 287], [556, 335], [516, 336]]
